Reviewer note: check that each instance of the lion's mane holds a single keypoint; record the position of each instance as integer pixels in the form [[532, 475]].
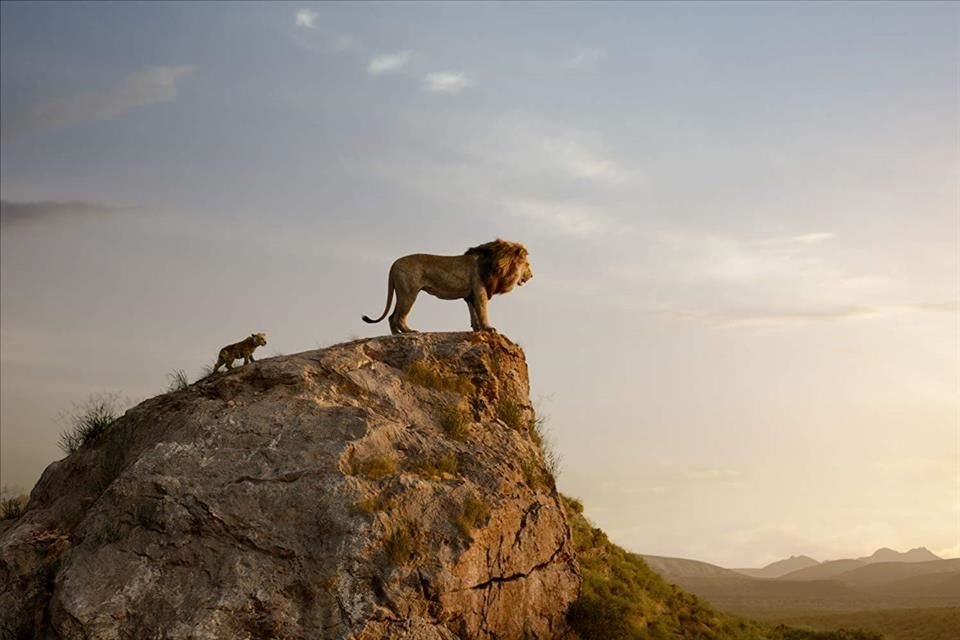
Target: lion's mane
[[500, 263]]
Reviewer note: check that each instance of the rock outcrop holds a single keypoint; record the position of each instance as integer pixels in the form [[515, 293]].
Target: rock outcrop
[[383, 488]]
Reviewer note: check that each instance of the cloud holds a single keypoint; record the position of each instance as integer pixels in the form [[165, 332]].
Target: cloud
[[931, 307], [732, 280], [581, 162], [811, 238], [537, 154], [151, 86], [781, 317], [575, 221], [389, 62], [711, 474], [23, 213], [306, 19], [791, 318], [446, 82], [585, 57]]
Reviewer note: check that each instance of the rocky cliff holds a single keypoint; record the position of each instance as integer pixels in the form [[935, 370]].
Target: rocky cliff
[[383, 488]]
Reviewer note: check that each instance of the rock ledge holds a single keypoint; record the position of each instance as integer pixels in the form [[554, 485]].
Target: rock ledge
[[382, 488]]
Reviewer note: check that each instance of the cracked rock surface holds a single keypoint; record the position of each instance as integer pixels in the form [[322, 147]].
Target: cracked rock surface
[[382, 488]]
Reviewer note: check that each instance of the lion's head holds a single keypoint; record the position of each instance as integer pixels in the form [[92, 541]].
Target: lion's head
[[259, 339], [503, 265]]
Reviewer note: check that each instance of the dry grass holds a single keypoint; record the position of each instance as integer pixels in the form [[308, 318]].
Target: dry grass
[[375, 467], [474, 512], [13, 507], [454, 420], [89, 421], [435, 465], [178, 381], [511, 414], [533, 476], [375, 504], [550, 457], [429, 374], [400, 545]]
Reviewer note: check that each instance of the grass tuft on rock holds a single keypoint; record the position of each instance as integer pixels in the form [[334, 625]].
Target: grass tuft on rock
[[374, 467], [89, 421], [474, 511], [428, 373]]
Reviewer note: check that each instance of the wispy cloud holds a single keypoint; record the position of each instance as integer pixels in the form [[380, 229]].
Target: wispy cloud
[[151, 86], [931, 307], [748, 281], [812, 238], [23, 213], [306, 18], [446, 82], [582, 162], [575, 221], [389, 62], [786, 317], [782, 317], [534, 151], [585, 57]]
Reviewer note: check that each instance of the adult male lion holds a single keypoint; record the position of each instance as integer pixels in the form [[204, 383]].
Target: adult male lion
[[481, 272]]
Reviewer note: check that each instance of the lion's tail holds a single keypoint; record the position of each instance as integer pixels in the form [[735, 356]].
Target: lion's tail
[[386, 309]]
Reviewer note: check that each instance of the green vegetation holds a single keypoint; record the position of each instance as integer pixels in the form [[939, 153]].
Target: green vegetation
[[89, 421], [428, 374], [622, 599], [178, 381], [436, 465], [454, 420], [894, 624], [400, 545], [375, 467], [474, 512]]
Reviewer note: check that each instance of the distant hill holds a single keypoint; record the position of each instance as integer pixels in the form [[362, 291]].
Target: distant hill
[[683, 568], [623, 599], [920, 554], [818, 588], [881, 585], [824, 570], [780, 567], [879, 573], [802, 567]]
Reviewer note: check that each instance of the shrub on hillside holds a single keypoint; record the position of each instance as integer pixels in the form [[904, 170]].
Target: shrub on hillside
[[89, 421], [13, 507], [178, 380]]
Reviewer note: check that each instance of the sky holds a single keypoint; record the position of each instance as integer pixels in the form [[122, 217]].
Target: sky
[[743, 218]]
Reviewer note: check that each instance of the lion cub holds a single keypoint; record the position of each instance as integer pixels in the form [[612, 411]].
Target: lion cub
[[243, 349]]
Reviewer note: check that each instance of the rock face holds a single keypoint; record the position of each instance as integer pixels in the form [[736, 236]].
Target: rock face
[[383, 488]]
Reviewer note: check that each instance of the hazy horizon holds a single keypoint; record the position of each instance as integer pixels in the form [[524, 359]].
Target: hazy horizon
[[744, 221]]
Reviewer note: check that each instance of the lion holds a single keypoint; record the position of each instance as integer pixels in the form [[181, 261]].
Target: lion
[[243, 349], [477, 275]]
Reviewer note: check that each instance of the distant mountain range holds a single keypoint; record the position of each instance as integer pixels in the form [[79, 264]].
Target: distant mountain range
[[806, 568], [885, 579], [780, 567]]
